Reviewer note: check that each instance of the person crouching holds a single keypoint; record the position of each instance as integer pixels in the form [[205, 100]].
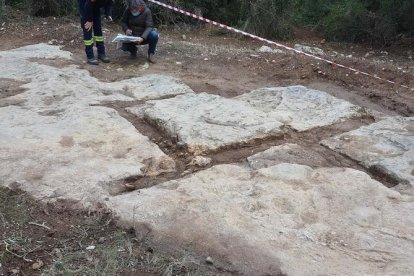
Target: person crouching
[[137, 21]]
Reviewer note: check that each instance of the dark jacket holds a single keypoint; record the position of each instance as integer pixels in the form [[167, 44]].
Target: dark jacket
[[91, 5], [140, 25]]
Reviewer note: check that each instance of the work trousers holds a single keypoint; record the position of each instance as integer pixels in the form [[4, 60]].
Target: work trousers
[[151, 40], [95, 35]]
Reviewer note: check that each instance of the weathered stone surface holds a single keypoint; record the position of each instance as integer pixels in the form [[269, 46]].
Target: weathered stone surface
[[54, 143], [207, 122], [286, 218], [300, 107], [387, 145], [79, 87], [286, 153]]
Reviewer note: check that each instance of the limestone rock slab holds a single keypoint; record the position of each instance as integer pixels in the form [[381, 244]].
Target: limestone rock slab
[[207, 122], [286, 153], [301, 108], [70, 85], [287, 218], [387, 145], [55, 139]]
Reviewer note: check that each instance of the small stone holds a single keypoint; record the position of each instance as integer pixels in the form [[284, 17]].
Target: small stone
[[15, 271], [267, 49], [57, 252], [179, 63], [184, 37], [205, 59], [101, 240], [145, 66], [53, 41], [323, 41], [308, 49], [209, 260], [120, 69], [200, 161], [349, 56], [38, 264], [91, 247]]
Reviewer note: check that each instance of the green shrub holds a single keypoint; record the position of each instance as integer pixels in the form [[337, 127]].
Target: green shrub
[[342, 20], [45, 8], [269, 18]]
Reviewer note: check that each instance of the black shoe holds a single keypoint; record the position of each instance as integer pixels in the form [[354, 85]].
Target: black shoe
[[133, 54], [151, 58], [103, 58], [93, 61]]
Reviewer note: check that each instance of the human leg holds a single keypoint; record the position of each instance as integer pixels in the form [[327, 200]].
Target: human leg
[[98, 36], [130, 47], [87, 35], [152, 41]]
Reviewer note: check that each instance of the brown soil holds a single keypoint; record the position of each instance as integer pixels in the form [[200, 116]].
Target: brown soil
[[55, 237], [219, 64]]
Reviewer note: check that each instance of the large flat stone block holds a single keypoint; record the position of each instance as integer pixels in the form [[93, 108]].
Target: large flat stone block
[[208, 122], [302, 108], [286, 218], [387, 146], [55, 139]]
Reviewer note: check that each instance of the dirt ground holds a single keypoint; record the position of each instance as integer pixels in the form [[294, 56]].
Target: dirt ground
[[55, 236]]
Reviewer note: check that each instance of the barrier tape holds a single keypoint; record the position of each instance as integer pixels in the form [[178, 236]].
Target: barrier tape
[[223, 26]]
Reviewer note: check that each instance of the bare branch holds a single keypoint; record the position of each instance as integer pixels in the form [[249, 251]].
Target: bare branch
[[40, 225]]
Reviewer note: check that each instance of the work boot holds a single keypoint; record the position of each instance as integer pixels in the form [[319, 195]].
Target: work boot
[[103, 58], [93, 61], [133, 54], [151, 58]]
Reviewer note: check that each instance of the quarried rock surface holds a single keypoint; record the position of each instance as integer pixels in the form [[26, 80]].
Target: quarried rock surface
[[286, 218], [301, 108], [208, 122], [286, 153], [54, 140], [386, 146]]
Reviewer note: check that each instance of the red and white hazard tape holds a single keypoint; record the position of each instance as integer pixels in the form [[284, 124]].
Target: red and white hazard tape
[[211, 22]]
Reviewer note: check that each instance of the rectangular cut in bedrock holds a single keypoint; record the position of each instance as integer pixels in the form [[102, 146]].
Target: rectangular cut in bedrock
[[205, 122], [386, 147]]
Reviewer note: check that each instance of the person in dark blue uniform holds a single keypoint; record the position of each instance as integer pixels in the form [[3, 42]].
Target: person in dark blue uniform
[[90, 12]]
